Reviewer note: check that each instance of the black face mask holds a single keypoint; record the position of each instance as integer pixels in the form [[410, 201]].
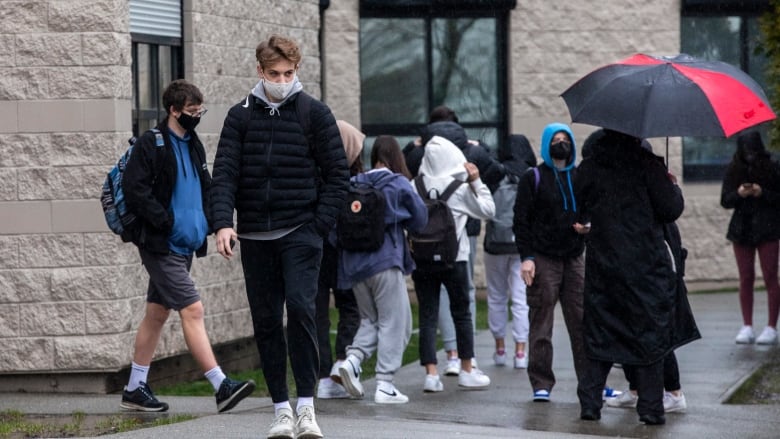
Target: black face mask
[[188, 122], [560, 150]]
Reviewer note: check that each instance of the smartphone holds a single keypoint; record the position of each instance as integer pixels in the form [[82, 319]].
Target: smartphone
[[232, 243], [747, 185]]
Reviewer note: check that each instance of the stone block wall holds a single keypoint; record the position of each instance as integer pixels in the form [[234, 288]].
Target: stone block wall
[[71, 293]]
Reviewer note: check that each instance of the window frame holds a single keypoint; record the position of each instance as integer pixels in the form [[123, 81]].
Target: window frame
[[752, 9], [429, 12]]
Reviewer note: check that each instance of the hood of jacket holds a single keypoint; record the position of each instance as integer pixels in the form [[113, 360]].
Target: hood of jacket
[[517, 155], [451, 131], [547, 136], [443, 160]]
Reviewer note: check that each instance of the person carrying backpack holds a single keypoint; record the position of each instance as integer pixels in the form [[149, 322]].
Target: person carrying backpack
[[442, 164], [502, 259], [377, 277], [165, 184]]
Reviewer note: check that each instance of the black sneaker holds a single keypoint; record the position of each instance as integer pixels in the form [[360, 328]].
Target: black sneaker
[[142, 399], [232, 392]]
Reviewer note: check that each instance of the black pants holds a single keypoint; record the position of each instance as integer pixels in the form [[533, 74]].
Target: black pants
[[648, 381], [349, 316], [427, 285], [278, 272], [671, 374]]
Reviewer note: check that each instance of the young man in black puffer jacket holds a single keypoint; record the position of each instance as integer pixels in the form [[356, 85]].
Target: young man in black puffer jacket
[[284, 172]]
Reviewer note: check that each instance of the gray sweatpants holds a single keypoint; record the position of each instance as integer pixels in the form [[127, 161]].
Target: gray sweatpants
[[385, 321]]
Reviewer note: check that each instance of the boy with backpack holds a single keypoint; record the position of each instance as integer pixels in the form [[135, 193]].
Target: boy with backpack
[[502, 260], [443, 163], [165, 185], [375, 268]]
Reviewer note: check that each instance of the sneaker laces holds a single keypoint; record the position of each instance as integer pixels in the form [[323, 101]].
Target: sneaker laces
[[281, 418], [147, 392]]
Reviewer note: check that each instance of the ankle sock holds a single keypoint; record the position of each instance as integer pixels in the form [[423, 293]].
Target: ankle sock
[[138, 374], [215, 377], [281, 405]]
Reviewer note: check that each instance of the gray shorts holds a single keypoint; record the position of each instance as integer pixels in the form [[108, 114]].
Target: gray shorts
[[170, 284]]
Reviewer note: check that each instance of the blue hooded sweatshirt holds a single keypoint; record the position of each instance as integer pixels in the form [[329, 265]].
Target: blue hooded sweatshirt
[[189, 221], [404, 210]]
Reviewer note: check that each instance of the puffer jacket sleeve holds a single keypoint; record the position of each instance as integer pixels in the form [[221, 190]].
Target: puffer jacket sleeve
[[331, 161], [225, 174], [665, 196]]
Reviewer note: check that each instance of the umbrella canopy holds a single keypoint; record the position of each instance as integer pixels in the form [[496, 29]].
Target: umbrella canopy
[[647, 96]]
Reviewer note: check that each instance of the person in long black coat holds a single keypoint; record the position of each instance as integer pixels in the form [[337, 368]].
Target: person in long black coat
[[631, 286]]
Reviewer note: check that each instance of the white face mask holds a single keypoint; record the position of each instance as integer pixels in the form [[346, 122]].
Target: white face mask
[[278, 90]]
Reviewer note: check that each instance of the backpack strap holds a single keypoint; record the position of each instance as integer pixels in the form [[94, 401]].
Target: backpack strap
[[452, 187], [420, 185], [536, 179]]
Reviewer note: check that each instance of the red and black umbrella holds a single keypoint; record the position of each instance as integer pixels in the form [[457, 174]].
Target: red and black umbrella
[[647, 96]]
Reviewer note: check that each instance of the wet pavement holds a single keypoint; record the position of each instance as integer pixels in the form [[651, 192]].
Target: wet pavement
[[711, 369]]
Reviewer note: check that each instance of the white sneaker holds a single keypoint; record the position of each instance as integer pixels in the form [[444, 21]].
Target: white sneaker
[[624, 400], [350, 376], [521, 360], [306, 427], [453, 367], [499, 358], [768, 336], [334, 371], [329, 389], [476, 379], [674, 403], [383, 396], [433, 384], [283, 425], [745, 335]]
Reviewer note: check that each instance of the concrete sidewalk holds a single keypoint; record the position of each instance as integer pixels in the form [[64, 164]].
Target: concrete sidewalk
[[710, 368]]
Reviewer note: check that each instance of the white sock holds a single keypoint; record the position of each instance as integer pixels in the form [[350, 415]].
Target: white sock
[[385, 386], [215, 377], [281, 405], [304, 401], [138, 375], [326, 380]]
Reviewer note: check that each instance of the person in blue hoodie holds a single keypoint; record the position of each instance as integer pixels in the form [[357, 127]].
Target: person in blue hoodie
[[377, 278], [166, 184], [552, 251]]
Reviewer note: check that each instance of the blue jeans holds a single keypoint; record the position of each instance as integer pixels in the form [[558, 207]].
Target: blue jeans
[[427, 286], [275, 272]]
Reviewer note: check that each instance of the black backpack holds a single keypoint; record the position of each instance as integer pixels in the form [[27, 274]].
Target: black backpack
[[361, 223], [436, 246]]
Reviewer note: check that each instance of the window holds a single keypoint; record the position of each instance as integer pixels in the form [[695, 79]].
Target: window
[[727, 31], [155, 29], [414, 58]]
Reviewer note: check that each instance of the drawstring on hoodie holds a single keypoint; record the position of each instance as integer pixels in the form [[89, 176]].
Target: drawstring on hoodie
[[563, 192], [273, 110]]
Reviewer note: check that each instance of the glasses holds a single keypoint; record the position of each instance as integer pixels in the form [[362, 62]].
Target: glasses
[[197, 114]]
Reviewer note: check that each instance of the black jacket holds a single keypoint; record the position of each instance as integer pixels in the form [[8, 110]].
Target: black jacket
[[148, 183], [271, 176], [631, 288]]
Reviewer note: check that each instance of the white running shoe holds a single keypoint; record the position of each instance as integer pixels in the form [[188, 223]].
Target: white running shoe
[[306, 427], [394, 396], [674, 403], [768, 336], [476, 379], [745, 335], [283, 425], [329, 389], [624, 400], [350, 376], [453, 367], [433, 384], [499, 358], [521, 360]]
